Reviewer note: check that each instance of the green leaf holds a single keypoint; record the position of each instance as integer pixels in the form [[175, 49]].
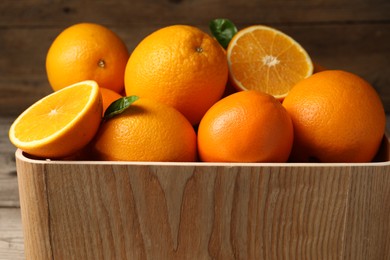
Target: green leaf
[[118, 106], [223, 30]]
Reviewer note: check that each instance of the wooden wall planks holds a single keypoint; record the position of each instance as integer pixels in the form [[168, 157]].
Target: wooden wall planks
[[347, 34], [48, 13]]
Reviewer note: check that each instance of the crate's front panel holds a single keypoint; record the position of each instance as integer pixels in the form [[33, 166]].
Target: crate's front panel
[[187, 212]]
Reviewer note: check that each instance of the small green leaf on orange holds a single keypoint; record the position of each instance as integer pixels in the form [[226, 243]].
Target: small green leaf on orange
[[118, 106], [223, 30]]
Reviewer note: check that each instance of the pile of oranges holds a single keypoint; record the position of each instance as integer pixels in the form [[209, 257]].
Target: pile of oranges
[[259, 100]]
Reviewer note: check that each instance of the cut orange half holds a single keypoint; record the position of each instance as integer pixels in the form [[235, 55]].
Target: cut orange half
[[61, 123], [265, 59]]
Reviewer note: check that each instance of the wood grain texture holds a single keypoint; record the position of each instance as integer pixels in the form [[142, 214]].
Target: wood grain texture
[[371, 240], [9, 196], [11, 235], [204, 211]]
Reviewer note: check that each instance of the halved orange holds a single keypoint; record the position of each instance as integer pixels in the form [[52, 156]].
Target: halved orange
[[61, 123], [265, 59]]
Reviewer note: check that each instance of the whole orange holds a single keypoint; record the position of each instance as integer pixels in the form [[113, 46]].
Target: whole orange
[[146, 131], [337, 117], [181, 66], [108, 96], [87, 51], [247, 126]]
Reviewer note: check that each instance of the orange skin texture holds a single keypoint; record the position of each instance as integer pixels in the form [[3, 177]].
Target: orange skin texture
[[247, 126], [337, 117], [180, 66], [87, 51], [108, 96], [146, 131]]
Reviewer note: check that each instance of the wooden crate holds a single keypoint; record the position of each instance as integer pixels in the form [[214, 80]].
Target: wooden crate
[[136, 210]]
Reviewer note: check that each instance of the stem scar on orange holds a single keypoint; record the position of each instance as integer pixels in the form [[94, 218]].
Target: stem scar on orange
[[265, 59]]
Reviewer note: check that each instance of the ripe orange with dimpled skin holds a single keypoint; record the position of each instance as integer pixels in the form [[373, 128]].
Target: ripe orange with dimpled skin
[[337, 116], [146, 131], [87, 51], [247, 126], [181, 66]]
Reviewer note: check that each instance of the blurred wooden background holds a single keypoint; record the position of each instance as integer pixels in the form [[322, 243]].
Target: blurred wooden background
[[339, 34], [353, 35]]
